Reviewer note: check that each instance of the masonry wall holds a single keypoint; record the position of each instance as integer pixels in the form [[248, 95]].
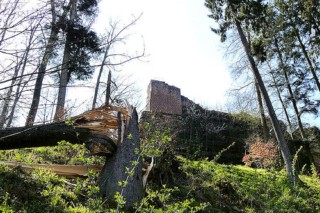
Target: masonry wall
[[163, 98]]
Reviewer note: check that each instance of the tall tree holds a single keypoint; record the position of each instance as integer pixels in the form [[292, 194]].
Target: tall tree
[[65, 64], [280, 45], [292, 97], [230, 14], [81, 43], [263, 119], [56, 21], [283, 105], [300, 32], [26, 27], [19, 70], [265, 129]]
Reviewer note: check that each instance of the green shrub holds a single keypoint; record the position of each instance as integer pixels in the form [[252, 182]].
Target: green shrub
[[63, 153], [239, 188]]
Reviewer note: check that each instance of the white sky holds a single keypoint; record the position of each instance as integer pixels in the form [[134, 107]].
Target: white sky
[[182, 49]]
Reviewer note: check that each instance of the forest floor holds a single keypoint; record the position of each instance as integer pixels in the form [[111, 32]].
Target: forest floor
[[196, 186]]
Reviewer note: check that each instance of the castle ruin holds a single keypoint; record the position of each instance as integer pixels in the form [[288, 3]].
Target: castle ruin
[[163, 98]]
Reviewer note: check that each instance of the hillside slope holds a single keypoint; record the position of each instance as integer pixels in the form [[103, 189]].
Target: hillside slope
[[196, 185]]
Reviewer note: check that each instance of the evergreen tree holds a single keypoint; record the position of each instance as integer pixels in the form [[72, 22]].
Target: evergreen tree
[[80, 44], [232, 15]]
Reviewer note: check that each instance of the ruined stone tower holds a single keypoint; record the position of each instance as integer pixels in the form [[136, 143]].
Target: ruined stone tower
[[163, 98]]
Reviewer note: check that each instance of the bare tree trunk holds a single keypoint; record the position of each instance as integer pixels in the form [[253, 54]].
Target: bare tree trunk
[[7, 99], [115, 169], [292, 97], [275, 123], [265, 131], [60, 111], [96, 90], [265, 128], [43, 66], [108, 90], [15, 102], [59, 115], [23, 63], [282, 104], [123, 164]]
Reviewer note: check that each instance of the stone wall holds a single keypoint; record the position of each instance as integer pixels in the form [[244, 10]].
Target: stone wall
[[186, 102], [207, 132], [163, 98]]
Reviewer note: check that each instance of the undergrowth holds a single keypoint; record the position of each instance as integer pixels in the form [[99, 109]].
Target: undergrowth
[[202, 186], [242, 189], [63, 153]]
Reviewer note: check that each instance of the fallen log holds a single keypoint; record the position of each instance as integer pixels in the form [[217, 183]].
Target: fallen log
[[63, 170], [70, 171], [97, 128]]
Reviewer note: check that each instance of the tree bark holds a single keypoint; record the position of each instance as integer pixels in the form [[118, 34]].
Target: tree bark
[[7, 99], [108, 90], [60, 112], [293, 99], [41, 135], [95, 128], [265, 129], [116, 167], [283, 106], [50, 135], [43, 66], [96, 90], [275, 123], [22, 62]]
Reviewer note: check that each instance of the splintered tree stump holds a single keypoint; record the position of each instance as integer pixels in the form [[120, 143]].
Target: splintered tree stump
[[116, 166]]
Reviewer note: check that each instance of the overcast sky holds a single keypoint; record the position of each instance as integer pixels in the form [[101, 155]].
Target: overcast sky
[[182, 49]]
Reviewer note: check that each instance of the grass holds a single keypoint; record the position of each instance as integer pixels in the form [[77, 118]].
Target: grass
[[243, 189]]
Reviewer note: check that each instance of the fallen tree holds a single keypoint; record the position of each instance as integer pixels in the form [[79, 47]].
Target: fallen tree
[[109, 131], [71, 171], [95, 128]]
